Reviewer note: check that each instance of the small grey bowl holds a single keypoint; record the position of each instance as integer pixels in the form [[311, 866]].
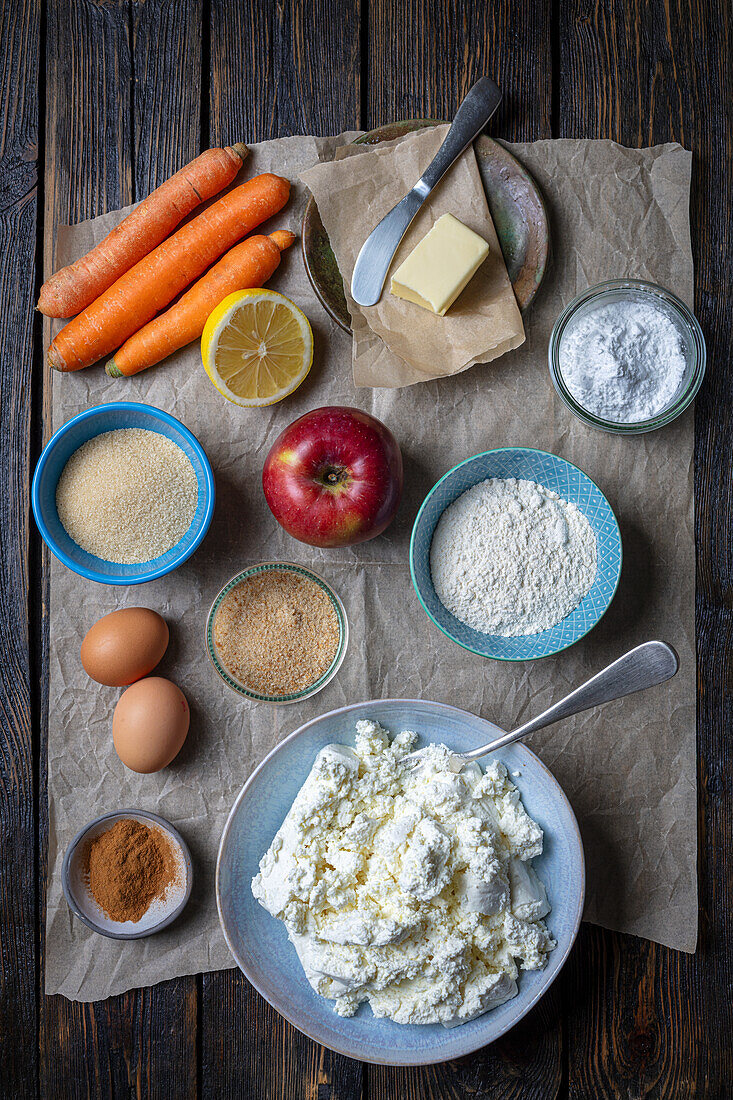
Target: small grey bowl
[[160, 913]]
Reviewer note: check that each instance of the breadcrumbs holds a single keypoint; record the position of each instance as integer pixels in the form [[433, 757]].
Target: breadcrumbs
[[127, 496], [276, 632]]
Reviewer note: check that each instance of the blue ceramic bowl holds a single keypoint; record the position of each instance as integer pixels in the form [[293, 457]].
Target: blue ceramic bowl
[[58, 450], [259, 942], [572, 485]]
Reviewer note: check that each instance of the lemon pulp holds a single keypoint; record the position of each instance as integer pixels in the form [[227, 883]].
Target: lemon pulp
[[257, 347]]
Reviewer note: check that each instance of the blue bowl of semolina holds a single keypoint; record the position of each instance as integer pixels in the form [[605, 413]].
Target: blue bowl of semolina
[[140, 489], [276, 633]]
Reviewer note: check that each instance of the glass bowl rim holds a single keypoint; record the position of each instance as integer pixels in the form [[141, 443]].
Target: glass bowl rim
[[325, 678], [686, 395]]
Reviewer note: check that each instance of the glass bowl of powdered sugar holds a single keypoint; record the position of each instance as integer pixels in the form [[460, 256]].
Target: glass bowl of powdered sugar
[[627, 356]]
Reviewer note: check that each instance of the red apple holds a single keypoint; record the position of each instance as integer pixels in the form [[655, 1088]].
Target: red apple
[[334, 477]]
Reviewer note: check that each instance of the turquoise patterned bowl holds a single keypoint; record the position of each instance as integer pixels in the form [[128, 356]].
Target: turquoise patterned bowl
[[572, 485]]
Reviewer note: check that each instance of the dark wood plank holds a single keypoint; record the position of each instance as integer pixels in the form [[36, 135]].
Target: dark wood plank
[[422, 59], [19, 33], [167, 79], [276, 69], [140, 1044], [524, 1065], [283, 68], [644, 1020], [126, 120]]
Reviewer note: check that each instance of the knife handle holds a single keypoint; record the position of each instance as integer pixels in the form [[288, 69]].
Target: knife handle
[[471, 117]]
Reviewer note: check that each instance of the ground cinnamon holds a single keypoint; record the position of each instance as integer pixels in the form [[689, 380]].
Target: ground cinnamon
[[128, 866]]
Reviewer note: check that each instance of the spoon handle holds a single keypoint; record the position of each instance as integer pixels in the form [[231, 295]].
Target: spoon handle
[[643, 667]]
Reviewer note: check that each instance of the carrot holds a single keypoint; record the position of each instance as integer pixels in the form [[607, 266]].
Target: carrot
[[75, 287], [248, 264], [156, 280]]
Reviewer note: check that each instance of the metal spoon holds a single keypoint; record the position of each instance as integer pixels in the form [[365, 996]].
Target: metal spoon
[[643, 667], [372, 263]]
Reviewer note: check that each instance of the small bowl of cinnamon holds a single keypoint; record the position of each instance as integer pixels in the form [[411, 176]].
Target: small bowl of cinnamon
[[127, 874]]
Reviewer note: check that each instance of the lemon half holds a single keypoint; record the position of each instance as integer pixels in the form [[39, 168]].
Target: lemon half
[[257, 347]]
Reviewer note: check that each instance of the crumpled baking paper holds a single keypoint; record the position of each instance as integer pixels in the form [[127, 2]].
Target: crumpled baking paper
[[628, 768], [396, 343]]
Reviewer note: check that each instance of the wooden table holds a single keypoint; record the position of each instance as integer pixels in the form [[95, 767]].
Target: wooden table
[[101, 100]]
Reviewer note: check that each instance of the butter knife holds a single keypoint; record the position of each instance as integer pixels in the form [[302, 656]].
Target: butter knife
[[372, 263]]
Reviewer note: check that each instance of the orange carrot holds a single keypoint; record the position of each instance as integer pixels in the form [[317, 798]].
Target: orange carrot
[[156, 280], [75, 287], [248, 264]]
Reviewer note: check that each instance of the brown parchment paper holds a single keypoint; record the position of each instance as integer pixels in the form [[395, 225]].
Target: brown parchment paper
[[396, 343], [628, 768]]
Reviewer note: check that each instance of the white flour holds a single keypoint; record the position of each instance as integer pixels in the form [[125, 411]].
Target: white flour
[[623, 361], [512, 558]]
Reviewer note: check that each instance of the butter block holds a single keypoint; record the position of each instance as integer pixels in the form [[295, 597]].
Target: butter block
[[440, 266]]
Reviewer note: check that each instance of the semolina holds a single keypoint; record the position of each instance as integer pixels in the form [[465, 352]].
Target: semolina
[[127, 496]]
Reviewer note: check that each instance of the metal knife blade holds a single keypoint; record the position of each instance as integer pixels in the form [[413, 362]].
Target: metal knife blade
[[375, 256]]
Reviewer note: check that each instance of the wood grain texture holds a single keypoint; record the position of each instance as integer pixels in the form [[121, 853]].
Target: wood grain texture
[[123, 100], [19, 33], [248, 1050], [166, 80], [422, 59], [281, 68], [133, 88], [424, 56], [524, 1065], [141, 1044], [276, 69], [645, 1020]]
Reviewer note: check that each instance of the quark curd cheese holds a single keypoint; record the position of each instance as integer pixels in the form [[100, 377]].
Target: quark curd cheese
[[408, 886]]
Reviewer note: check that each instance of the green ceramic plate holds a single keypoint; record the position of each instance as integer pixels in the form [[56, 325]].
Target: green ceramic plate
[[515, 203]]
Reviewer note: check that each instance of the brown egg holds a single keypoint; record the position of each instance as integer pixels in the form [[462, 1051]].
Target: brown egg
[[150, 724], [124, 646]]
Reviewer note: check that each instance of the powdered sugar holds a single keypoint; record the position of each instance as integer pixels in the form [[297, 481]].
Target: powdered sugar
[[623, 361], [511, 557]]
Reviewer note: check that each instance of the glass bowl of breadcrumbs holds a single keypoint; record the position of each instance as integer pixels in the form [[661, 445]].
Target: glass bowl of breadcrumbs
[[277, 633]]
